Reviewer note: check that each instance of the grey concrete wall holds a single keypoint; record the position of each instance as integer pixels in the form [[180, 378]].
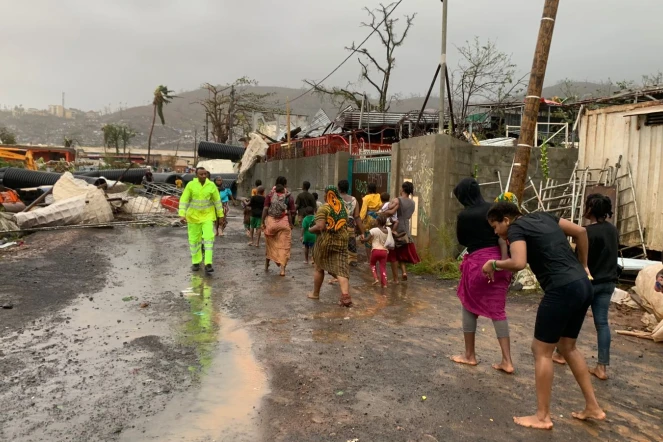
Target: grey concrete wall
[[320, 171], [436, 163]]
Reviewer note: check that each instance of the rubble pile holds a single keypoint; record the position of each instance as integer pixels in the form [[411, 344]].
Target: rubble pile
[[45, 201]]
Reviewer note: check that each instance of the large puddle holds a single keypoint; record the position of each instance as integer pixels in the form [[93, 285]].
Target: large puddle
[[224, 405]]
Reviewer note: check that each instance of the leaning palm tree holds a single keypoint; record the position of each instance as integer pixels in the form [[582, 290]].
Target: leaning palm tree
[[162, 95]]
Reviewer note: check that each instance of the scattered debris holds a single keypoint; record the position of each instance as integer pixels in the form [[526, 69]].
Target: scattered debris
[[7, 306], [144, 305], [128, 298]]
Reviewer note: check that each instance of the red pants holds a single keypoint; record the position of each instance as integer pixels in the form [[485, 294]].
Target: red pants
[[381, 257]]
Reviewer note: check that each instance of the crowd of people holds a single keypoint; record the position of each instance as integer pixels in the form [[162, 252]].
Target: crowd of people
[[499, 241]]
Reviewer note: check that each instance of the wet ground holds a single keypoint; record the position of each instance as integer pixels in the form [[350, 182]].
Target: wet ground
[[111, 338]]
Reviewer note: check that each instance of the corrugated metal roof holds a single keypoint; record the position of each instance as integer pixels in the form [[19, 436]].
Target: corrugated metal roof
[[351, 119], [320, 121]]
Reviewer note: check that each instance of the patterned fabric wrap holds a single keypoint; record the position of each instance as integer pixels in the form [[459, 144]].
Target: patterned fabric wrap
[[337, 217], [331, 248], [507, 197]]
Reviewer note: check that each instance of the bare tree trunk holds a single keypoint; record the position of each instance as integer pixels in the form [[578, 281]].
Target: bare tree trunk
[[149, 138]]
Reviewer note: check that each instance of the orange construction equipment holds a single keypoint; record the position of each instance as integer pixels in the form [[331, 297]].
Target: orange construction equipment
[[10, 202], [11, 153]]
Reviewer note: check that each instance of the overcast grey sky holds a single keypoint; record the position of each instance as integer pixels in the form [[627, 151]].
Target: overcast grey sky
[[104, 52]]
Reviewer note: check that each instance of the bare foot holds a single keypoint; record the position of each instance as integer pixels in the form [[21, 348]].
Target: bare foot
[[332, 281], [396, 281], [599, 373], [460, 359], [534, 422], [376, 282], [313, 296], [251, 243], [282, 273], [558, 358], [596, 414], [505, 367]]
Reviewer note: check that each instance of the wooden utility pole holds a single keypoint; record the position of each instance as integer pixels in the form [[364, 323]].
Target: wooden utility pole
[[533, 99], [443, 65]]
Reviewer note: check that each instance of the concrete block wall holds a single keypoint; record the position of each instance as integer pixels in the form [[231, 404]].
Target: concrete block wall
[[436, 163], [320, 171]]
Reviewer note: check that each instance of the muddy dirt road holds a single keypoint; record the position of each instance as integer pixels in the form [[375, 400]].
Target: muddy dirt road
[[112, 338]]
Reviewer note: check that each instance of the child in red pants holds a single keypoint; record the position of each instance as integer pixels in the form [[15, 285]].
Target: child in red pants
[[381, 239]]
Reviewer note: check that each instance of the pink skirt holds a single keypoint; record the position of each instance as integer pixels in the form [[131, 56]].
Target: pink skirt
[[477, 295]]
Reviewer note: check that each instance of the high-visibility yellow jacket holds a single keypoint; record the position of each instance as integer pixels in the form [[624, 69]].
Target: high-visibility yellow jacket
[[200, 202]]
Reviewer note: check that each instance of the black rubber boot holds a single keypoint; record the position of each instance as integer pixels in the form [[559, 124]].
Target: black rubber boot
[[209, 269], [195, 267]]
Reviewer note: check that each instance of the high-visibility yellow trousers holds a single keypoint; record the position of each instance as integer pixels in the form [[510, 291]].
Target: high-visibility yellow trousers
[[201, 234]]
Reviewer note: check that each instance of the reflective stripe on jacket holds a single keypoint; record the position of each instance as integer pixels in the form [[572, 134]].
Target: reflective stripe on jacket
[[200, 202]]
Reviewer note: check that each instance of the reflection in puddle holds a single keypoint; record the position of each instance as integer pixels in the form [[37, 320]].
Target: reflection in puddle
[[201, 329], [231, 382]]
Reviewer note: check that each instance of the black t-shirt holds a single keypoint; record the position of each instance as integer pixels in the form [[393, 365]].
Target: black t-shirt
[[549, 253], [603, 252], [304, 199], [257, 203], [473, 230]]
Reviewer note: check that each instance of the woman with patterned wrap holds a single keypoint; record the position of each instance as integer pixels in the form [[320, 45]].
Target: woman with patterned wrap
[[331, 247]]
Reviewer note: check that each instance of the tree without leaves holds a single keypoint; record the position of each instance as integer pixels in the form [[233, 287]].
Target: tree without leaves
[[162, 96], [484, 73], [385, 28], [228, 109], [655, 79]]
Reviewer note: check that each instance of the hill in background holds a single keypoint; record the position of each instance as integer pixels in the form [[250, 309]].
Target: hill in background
[[184, 116]]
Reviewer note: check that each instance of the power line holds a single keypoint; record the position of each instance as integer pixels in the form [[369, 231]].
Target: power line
[[351, 54]]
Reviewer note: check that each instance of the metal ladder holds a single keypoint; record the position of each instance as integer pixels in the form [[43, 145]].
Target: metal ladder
[[623, 207]]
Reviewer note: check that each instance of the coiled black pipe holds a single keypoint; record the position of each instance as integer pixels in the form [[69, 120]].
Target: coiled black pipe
[[226, 176], [218, 151], [133, 176], [16, 178], [166, 177]]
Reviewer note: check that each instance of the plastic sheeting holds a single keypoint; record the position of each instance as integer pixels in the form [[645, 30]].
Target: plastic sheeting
[[143, 206], [644, 287], [256, 149], [97, 209], [217, 166], [7, 222], [61, 213]]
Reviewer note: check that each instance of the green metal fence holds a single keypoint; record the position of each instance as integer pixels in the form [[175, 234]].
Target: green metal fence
[[362, 171]]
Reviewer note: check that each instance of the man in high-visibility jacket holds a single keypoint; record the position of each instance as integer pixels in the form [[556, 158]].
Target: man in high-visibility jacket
[[200, 206]]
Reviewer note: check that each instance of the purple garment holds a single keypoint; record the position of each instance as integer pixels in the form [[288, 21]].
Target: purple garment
[[477, 295]]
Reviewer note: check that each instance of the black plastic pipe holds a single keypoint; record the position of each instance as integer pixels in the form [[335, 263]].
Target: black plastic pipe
[[218, 151]]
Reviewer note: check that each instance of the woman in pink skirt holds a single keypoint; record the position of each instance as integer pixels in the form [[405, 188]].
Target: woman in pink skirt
[[478, 296]]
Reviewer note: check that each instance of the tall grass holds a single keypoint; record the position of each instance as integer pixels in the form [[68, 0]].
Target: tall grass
[[447, 268]]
